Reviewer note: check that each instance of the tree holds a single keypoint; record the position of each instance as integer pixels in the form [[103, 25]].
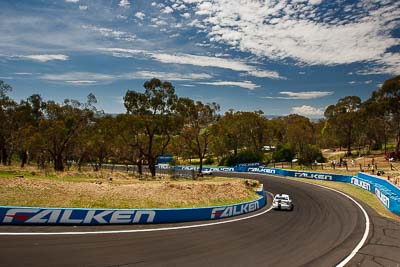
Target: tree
[[310, 154], [236, 131], [388, 97], [283, 153], [6, 108], [100, 140], [61, 125], [25, 122], [299, 132], [156, 110], [130, 140], [344, 118], [375, 122], [197, 117]]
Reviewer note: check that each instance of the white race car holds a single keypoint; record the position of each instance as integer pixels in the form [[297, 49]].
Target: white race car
[[208, 172], [282, 202]]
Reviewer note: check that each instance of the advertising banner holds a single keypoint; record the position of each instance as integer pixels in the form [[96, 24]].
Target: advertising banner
[[60, 216]]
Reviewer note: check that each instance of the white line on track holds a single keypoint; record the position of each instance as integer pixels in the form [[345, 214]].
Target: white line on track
[[367, 221], [340, 264], [141, 230]]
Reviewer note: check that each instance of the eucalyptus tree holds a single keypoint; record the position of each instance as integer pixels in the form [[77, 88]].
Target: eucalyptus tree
[[129, 139], [239, 130], [6, 108], [388, 100], [376, 123], [278, 130], [156, 113], [24, 122], [299, 132], [344, 119], [99, 141], [62, 123], [197, 118]]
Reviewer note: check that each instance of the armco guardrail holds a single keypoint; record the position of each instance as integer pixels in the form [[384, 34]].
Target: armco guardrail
[[57, 216]]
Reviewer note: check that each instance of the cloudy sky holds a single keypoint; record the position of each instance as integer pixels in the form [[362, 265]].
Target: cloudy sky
[[278, 56]]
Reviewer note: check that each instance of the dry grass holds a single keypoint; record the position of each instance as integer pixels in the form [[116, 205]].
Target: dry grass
[[96, 190], [391, 169]]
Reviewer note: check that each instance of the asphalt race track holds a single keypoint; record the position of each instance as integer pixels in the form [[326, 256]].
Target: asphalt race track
[[321, 231]]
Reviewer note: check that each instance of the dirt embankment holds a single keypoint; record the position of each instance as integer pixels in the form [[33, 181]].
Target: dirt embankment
[[111, 194]]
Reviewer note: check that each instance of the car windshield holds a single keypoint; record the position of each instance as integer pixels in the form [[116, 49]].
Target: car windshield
[[281, 198]]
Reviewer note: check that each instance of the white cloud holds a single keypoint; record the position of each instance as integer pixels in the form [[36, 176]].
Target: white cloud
[[76, 77], [111, 33], [88, 78], [266, 74], [119, 16], [81, 82], [123, 53], [302, 95], [205, 61], [387, 64], [299, 30], [315, 2], [45, 58], [23, 73], [170, 76], [196, 60], [124, 3], [186, 15], [83, 8], [140, 15], [308, 111], [245, 84], [72, 1], [167, 10]]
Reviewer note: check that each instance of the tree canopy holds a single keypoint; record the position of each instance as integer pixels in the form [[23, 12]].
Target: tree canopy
[[157, 122]]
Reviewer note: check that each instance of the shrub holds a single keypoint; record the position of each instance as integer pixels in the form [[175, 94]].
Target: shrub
[[310, 154], [376, 146], [284, 152], [208, 161]]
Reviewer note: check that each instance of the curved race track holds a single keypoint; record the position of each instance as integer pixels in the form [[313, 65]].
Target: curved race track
[[321, 231]]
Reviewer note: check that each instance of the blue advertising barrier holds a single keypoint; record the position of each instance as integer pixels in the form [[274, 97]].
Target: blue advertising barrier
[[195, 168], [52, 216], [298, 174], [386, 192]]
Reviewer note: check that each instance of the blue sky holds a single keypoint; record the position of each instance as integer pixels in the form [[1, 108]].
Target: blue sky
[[278, 56]]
